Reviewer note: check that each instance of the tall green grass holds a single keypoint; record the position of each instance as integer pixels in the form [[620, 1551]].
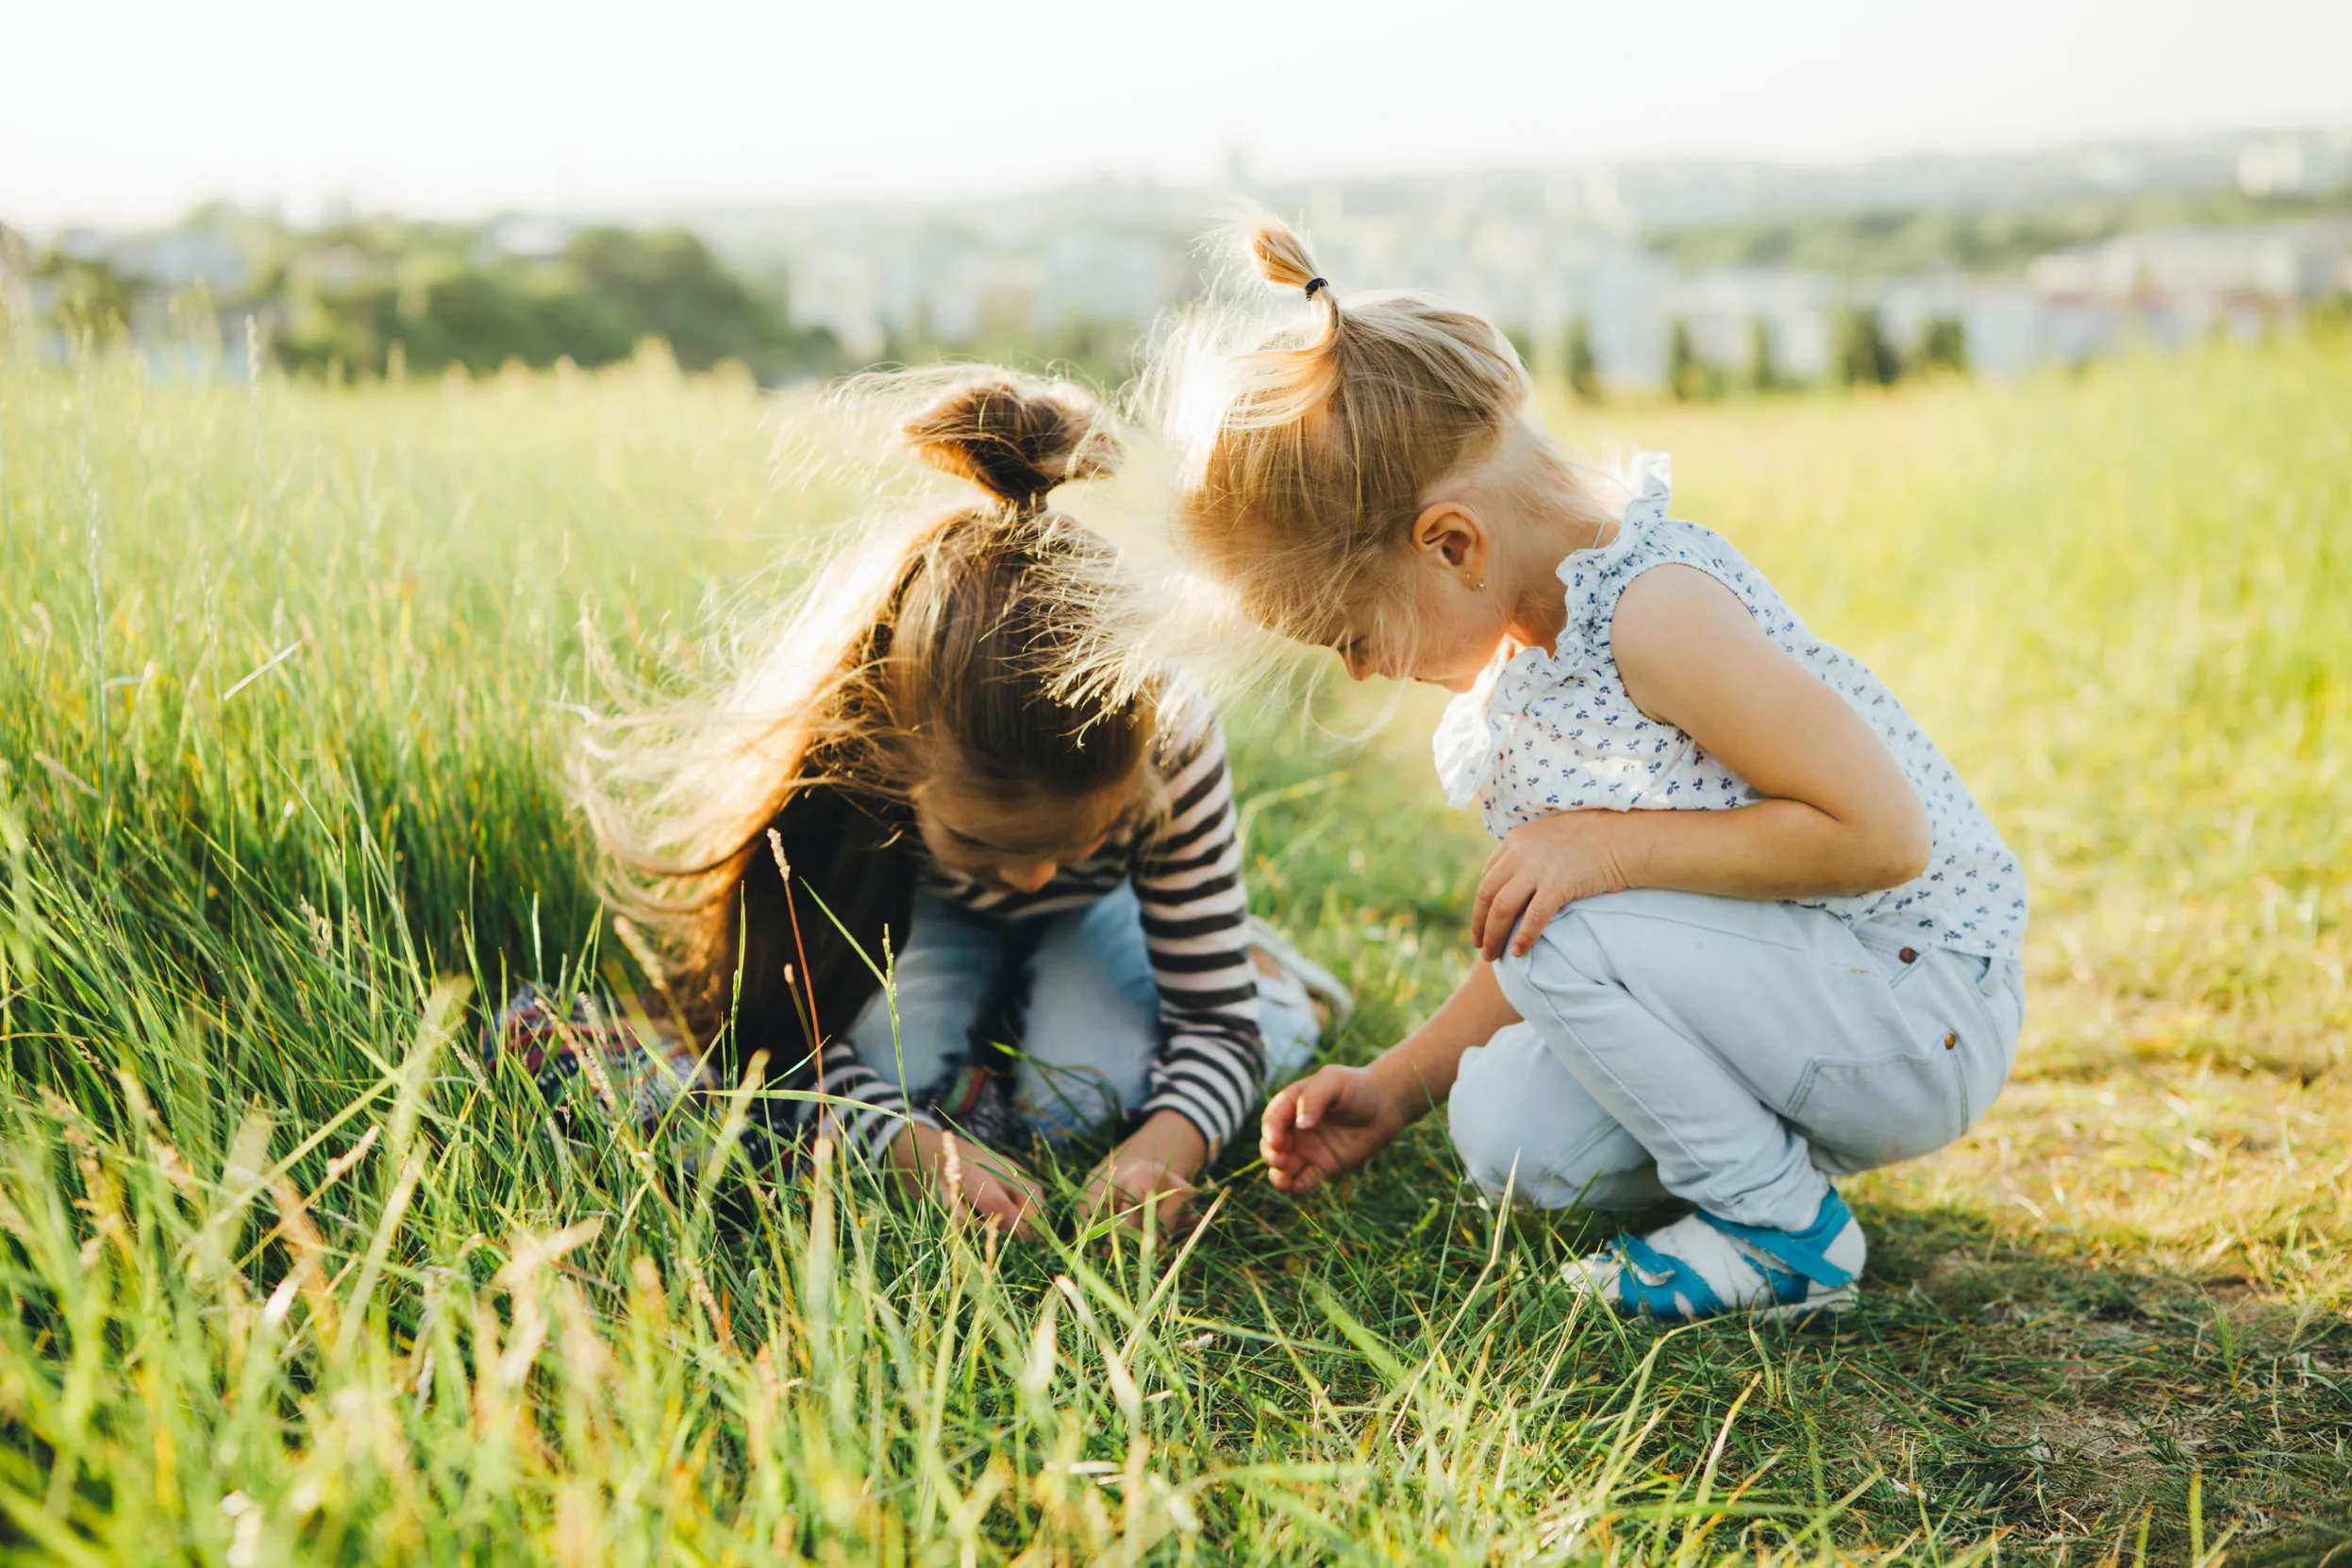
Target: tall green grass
[[285, 681]]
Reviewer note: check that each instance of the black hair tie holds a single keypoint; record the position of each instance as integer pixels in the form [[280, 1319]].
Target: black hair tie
[[1314, 283]]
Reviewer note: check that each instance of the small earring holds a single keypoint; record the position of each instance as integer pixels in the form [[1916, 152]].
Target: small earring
[[1478, 586]]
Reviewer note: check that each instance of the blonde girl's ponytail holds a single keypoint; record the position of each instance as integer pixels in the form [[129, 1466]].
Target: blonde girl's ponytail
[[1279, 384], [1282, 255]]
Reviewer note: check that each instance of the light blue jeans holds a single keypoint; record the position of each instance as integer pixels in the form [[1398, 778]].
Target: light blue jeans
[[1089, 1008], [1731, 1052]]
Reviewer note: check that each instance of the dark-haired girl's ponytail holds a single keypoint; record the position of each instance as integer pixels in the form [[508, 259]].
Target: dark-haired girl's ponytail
[[1014, 438]]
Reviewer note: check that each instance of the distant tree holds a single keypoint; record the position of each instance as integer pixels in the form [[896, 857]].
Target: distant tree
[[1096, 351], [1864, 357], [1584, 370], [1944, 346], [667, 284], [1690, 379], [1763, 369], [90, 302], [481, 319], [355, 293]]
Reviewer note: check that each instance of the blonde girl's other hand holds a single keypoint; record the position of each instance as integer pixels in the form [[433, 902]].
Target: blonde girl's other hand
[[1329, 1122], [970, 1180], [1541, 868]]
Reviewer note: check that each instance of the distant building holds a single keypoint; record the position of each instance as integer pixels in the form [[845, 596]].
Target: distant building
[[183, 259], [1118, 277], [2002, 322], [2283, 262], [840, 292], [1725, 308], [2295, 163], [524, 236], [2167, 287]]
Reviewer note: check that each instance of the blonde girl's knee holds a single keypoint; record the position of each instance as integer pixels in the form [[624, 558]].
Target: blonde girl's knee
[[1482, 1124]]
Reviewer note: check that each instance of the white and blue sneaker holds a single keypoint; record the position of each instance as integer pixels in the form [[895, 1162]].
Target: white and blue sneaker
[[1278, 960], [1298, 1001], [1703, 1265]]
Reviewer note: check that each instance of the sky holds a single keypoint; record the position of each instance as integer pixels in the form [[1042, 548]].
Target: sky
[[120, 113]]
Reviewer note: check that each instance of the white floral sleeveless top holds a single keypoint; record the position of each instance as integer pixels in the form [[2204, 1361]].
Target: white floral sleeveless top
[[1551, 732]]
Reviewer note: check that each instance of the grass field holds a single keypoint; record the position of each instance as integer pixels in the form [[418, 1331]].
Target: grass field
[[283, 676]]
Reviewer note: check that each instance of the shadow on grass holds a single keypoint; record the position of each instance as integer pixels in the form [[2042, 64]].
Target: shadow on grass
[[2062, 1396], [1982, 1389], [2071, 1409]]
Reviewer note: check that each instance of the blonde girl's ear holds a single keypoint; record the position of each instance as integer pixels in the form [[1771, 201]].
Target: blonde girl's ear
[[1449, 535]]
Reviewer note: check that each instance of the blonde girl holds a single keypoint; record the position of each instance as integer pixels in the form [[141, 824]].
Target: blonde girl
[[1744, 931], [936, 769]]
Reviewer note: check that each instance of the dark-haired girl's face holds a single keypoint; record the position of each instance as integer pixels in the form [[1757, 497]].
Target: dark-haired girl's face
[[1017, 844]]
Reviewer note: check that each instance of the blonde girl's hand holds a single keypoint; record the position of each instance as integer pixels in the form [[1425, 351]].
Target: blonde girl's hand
[[1541, 868], [1328, 1122], [1153, 1168], [970, 1180]]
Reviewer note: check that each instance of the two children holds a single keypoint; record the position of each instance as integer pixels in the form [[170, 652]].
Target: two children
[[1744, 931]]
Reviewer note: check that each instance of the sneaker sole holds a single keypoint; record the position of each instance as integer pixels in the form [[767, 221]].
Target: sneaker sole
[[1799, 1313], [1313, 978]]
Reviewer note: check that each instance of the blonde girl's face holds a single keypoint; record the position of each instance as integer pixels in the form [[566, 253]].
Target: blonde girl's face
[[1017, 845], [1428, 627], [1472, 571], [1478, 567]]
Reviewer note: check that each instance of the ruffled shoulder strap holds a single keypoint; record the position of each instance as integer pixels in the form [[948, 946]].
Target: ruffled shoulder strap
[[1592, 578], [1653, 489], [1467, 734]]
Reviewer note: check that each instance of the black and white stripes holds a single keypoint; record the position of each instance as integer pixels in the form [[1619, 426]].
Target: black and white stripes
[[1185, 866], [1187, 869]]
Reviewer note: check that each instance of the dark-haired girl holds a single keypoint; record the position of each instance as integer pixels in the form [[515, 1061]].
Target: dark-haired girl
[[946, 767]]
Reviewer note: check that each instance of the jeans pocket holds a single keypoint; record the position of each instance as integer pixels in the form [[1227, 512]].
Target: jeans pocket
[[1858, 1112], [1988, 1048], [1983, 1075]]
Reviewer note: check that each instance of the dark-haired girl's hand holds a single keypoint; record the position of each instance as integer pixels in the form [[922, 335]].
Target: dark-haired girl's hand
[[970, 1180], [1153, 1169]]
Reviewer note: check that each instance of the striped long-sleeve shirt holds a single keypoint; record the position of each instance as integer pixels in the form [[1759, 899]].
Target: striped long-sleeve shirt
[[1185, 866]]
